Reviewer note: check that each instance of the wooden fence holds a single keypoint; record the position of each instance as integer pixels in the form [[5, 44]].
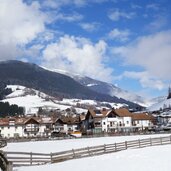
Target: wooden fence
[[22, 158]]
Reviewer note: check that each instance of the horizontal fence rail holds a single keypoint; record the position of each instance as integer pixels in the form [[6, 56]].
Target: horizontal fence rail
[[27, 159], [22, 158]]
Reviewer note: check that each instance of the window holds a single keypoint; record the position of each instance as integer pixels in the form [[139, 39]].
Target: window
[[111, 124], [127, 122], [104, 123]]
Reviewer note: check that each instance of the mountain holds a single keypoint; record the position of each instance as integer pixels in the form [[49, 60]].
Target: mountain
[[161, 103], [51, 83], [109, 89], [157, 100], [106, 88]]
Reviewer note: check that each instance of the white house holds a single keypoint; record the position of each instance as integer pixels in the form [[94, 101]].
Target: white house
[[104, 120], [116, 119], [142, 121]]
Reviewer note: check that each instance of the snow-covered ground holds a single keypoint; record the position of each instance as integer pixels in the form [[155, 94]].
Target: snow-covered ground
[[68, 144], [144, 159]]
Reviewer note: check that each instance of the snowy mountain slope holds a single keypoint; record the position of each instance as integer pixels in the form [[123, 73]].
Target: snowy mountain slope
[[161, 105], [157, 100], [32, 100], [105, 88]]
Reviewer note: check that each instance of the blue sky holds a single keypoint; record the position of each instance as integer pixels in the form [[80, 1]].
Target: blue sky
[[124, 42]]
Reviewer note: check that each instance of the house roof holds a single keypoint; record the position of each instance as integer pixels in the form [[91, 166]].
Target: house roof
[[98, 113], [4, 121], [38, 120], [70, 119], [123, 112], [142, 116]]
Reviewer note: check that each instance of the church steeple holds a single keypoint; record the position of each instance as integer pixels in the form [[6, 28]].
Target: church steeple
[[169, 93]]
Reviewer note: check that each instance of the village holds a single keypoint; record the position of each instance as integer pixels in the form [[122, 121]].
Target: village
[[94, 122]]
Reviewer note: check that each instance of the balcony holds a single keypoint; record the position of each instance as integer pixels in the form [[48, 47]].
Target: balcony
[[31, 130]]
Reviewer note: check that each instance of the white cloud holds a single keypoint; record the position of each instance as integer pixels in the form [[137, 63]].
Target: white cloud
[[119, 35], [136, 6], [78, 3], [69, 17], [158, 23], [78, 55], [153, 53], [153, 7], [90, 26], [116, 15], [19, 24], [60, 3], [145, 79]]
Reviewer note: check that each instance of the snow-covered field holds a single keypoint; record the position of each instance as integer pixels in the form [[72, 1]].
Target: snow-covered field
[[144, 159], [68, 144]]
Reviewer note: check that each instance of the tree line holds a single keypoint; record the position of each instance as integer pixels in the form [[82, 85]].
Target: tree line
[[10, 110], [4, 91]]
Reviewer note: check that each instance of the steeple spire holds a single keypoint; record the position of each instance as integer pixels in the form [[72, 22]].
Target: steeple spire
[[169, 93]]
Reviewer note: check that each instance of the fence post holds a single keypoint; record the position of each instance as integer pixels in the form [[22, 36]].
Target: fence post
[[150, 141], [9, 166], [51, 157], [31, 158], [115, 147], [126, 145], [139, 142], [161, 140], [89, 151], [73, 153], [104, 148]]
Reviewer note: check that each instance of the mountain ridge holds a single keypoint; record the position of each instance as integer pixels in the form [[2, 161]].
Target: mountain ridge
[[52, 83], [105, 88]]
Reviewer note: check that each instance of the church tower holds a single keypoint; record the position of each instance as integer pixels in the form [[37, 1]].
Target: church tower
[[169, 93]]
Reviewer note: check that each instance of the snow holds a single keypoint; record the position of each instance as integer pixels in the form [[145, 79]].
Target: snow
[[33, 102], [32, 99], [68, 144], [163, 104], [145, 159], [21, 96], [16, 91], [89, 85]]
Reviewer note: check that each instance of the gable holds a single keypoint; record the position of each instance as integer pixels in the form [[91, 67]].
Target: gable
[[31, 121], [59, 122], [111, 115]]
